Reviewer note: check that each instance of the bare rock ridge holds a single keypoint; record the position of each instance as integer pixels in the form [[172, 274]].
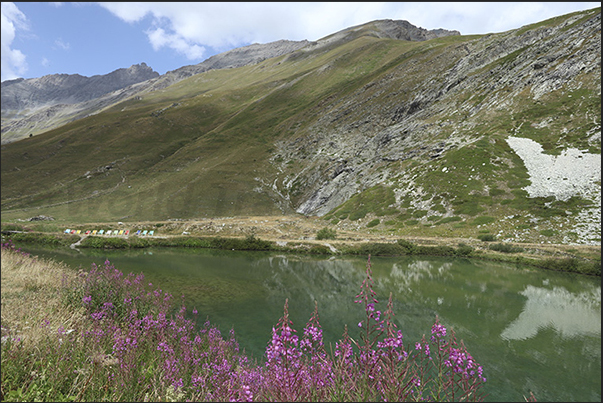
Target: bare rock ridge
[[56, 89], [401, 30]]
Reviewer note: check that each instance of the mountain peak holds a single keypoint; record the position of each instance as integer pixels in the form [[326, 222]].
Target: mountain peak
[[54, 89]]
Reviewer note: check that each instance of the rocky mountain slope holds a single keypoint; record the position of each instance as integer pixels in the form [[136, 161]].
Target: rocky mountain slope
[[33, 106], [37, 105], [382, 126]]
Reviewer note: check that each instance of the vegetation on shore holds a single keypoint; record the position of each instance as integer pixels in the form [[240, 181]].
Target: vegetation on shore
[[98, 335], [503, 252]]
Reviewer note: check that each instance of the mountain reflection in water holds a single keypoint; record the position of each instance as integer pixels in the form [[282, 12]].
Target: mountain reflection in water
[[569, 314]]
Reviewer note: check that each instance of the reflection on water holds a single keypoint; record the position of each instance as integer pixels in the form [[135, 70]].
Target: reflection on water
[[569, 314], [532, 330], [405, 275]]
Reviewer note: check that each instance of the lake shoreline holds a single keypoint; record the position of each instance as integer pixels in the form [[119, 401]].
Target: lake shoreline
[[566, 258]]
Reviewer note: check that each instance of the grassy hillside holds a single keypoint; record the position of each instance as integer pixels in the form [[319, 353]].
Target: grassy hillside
[[417, 128]]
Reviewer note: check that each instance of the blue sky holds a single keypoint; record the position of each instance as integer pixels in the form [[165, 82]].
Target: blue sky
[[40, 38]]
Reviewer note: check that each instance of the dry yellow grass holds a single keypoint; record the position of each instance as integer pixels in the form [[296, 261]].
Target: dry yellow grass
[[31, 298]]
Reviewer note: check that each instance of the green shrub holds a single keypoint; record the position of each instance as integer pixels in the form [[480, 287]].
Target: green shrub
[[548, 232], [496, 192], [449, 219], [373, 223], [358, 214], [319, 250], [573, 265], [464, 249], [249, 243], [45, 239], [487, 237], [419, 213], [326, 233], [408, 247], [105, 243], [381, 249], [436, 250], [506, 248]]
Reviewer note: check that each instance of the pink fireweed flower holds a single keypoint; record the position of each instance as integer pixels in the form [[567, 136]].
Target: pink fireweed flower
[[391, 342], [437, 331], [377, 316], [87, 300], [343, 349], [165, 348], [97, 315]]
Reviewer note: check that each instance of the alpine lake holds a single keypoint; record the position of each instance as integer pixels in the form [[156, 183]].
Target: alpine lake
[[532, 330]]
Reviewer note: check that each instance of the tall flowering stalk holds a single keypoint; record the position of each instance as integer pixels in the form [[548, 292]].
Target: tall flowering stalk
[[319, 370], [394, 361], [285, 372], [372, 329]]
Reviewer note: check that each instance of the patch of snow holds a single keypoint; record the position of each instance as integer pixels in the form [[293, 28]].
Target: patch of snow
[[572, 173]]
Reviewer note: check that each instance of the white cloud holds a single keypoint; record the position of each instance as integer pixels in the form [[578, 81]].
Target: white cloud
[[481, 17], [59, 43], [129, 12], [13, 62], [159, 38]]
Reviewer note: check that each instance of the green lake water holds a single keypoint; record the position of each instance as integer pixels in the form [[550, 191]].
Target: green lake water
[[531, 329]]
